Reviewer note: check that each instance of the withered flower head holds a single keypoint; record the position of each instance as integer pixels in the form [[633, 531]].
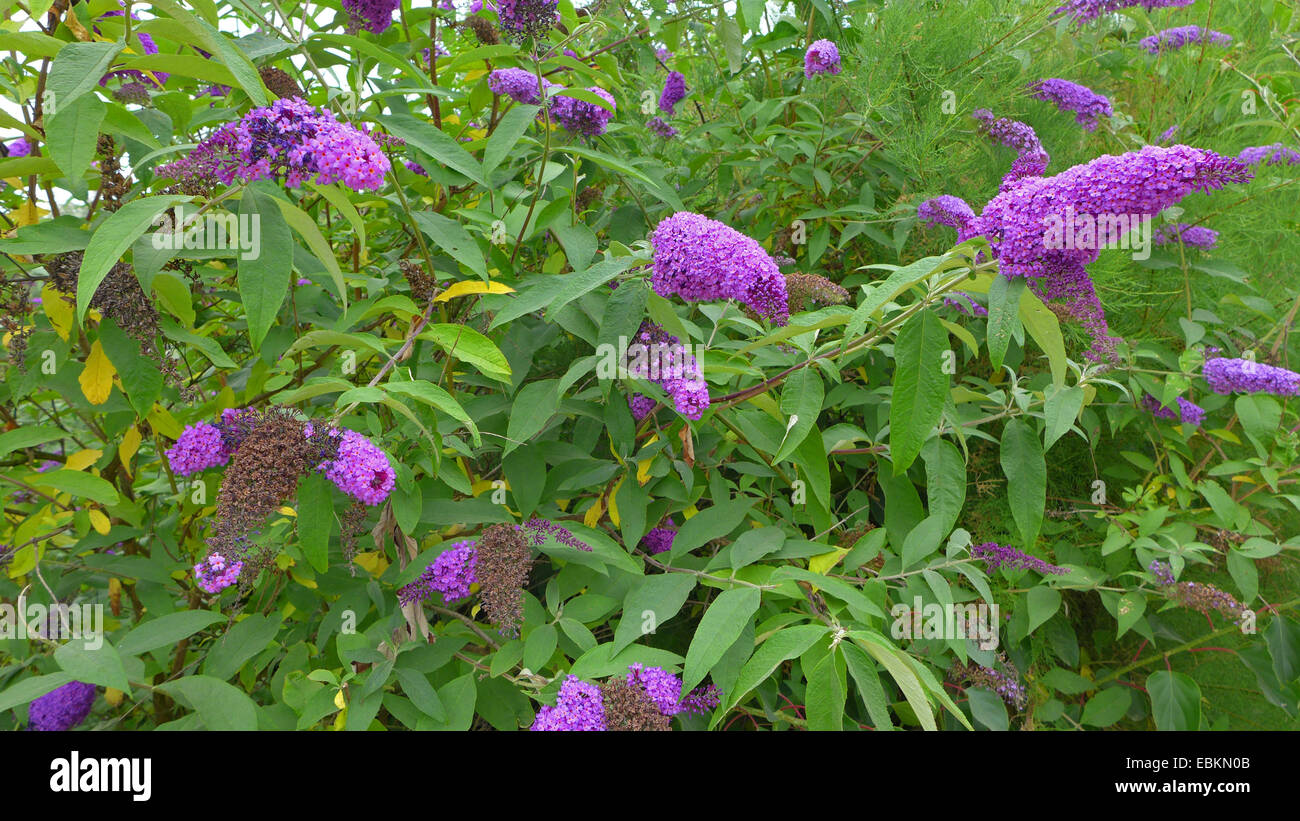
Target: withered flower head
[[503, 564], [630, 708], [279, 82], [804, 288], [422, 284], [483, 30]]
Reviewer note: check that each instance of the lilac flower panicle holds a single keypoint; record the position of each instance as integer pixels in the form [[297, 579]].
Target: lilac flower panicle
[[701, 700], [1175, 38], [1275, 154], [1197, 596], [1088, 106], [674, 91], [581, 117], [1188, 412], [361, 469], [536, 530], [965, 303], [659, 539], [451, 574], [290, 138], [578, 707], [522, 19], [703, 260], [415, 167], [518, 84], [373, 15], [822, 57], [1017, 221], [1167, 135], [199, 447], [663, 55], [663, 129], [62, 708], [1083, 11], [672, 366], [1243, 376], [640, 405], [19, 148], [216, 573], [947, 210], [664, 688], [1193, 236], [1031, 158], [996, 556]]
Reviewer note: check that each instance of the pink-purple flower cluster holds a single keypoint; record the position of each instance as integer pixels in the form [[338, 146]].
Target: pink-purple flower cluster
[[373, 15], [661, 358], [674, 91], [1194, 236], [1088, 106], [995, 556], [581, 117], [578, 707], [451, 574], [1031, 158], [1244, 376], [199, 447], [965, 303], [641, 405], [62, 708], [215, 573], [1275, 154], [361, 469], [1188, 412], [536, 530], [822, 57], [948, 210], [663, 129], [659, 539], [1175, 38], [701, 260], [19, 148], [522, 19], [518, 84], [290, 138], [1083, 11]]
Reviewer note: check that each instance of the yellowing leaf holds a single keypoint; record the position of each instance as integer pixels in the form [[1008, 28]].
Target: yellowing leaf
[[593, 513], [99, 521], [130, 444], [310, 584], [97, 379], [613, 504], [285, 510], [373, 562], [825, 561], [58, 309], [113, 696], [643, 470], [161, 420], [28, 214], [690, 511], [473, 286], [339, 701], [83, 459]]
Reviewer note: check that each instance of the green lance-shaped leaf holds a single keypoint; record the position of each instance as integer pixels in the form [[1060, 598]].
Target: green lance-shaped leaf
[[920, 386]]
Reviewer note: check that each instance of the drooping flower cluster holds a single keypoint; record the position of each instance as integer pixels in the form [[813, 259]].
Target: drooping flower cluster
[[701, 260], [518, 84], [997, 556], [451, 574], [536, 530], [660, 357], [1031, 158], [199, 447], [640, 405], [373, 15], [1199, 597], [1275, 154], [1088, 106], [659, 539], [1023, 223], [802, 289], [674, 91], [289, 138], [19, 148], [1193, 236], [504, 561], [1167, 135], [147, 45], [1006, 685], [964, 302], [215, 573], [822, 57], [1175, 38], [581, 706], [521, 19], [581, 117], [1083, 11], [1244, 376], [1188, 412], [663, 129], [62, 708], [361, 468], [948, 210]]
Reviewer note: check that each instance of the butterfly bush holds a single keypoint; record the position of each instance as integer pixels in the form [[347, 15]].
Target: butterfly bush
[[1088, 106], [518, 84], [663, 129], [361, 469], [1031, 158], [1083, 11], [579, 705], [521, 19], [1175, 38], [1188, 412], [997, 556], [676, 370], [19, 148], [451, 574], [1196, 236], [964, 302], [674, 91], [373, 15], [581, 117], [289, 138], [215, 573], [659, 539], [198, 448], [822, 57], [1244, 376], [62, 708], [1275, 154], [703, 260], [947, 210]]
